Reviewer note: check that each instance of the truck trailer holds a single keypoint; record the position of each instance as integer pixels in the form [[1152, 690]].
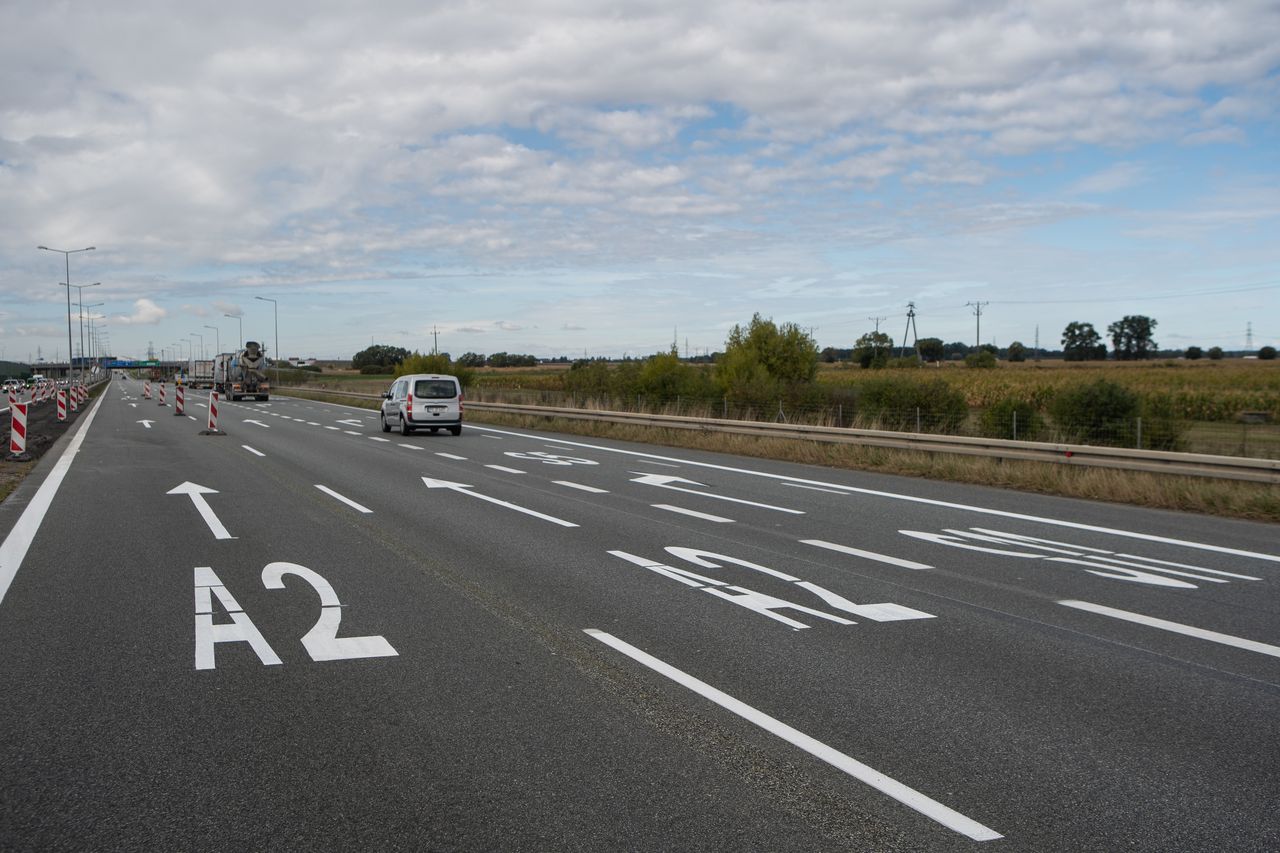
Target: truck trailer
[[242, 373]]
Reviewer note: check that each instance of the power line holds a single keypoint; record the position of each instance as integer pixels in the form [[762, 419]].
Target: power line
[[1144, 298]]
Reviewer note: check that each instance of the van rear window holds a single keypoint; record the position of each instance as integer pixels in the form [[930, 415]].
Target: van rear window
[[435, 389]]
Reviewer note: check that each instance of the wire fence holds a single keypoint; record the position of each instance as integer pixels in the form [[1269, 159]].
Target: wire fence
[[1256, 438]]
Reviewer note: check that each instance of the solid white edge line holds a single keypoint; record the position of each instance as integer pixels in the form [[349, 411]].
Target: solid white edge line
[[251, 450], [705, 516], [1176, 627], [870, 555], [14, 548], [1074, 525], [346, 500], [909, 797]]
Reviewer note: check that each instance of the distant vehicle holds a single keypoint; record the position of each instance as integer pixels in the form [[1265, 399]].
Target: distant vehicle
[[201, 375], [242, 374], [423, 401], [11, 385]]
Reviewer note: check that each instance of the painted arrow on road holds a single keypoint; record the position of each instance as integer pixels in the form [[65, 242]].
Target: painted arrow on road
[[665, 481], [146, 424], [462, 489], [197, 492], [259, 423], [351, 422], [135, 405]]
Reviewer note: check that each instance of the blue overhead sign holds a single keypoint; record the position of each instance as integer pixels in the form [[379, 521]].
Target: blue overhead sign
[[129, 363]]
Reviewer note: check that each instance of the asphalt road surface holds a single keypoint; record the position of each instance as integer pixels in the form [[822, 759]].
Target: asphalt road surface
[[310, 634]]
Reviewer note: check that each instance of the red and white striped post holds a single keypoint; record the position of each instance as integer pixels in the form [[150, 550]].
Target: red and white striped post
[[213, 411], [73, 399], [162, 401], [146, 389], [18, 429], [179, 401], [13, 399], [62, 404]]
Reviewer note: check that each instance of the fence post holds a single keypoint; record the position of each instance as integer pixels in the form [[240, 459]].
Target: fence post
[[1015, 424], [840, 415], [1139, 444], [917, 418], [725, 410]]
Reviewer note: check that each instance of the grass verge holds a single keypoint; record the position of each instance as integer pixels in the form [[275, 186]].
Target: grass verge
[[1230, 498]]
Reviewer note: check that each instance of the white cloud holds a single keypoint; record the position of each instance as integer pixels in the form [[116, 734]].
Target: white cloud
[[145, 313]]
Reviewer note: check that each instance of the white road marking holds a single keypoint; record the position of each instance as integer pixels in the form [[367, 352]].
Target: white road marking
[[1176, 627], [352, 432], [870, 555], [190, 417], [335, 429], [663, 464], [331, 493], [664, 481], [146, 424], [505, 468], [452, 456], [259, 423], [196, 492], [463, 489], [909, 797], [251, 450], [1093, 528], [14, 548], [379, 438], [694, 513], [410, 446], [592, 489], [818, 489], [312, 423]]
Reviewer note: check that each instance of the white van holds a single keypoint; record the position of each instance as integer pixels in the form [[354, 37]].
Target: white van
[[423, 401]]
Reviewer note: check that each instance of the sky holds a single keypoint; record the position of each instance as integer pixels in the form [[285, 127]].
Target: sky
[[561, 177]]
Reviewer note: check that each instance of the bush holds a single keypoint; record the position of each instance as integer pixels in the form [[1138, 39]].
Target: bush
[[439, 363], [1162, 428], [894, 402], [1267, 353], [374, 370], [1194, 353], [1099, 412], [1216, 353], [1012, 418], [981, 359]]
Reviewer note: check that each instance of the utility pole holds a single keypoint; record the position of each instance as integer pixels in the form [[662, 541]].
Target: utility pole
[[877, 321], [911, 327], [1248, 336], [977, 312], [435, 334], [1037, 341]]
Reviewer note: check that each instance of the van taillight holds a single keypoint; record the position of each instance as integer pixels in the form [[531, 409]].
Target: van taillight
[[408, 403]]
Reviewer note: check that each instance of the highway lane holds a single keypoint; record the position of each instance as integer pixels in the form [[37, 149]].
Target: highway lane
[[1026, 717]]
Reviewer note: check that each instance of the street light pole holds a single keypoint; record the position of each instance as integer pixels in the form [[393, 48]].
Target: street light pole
[[94, 305], [66, 255], [80, 301], [275, 316], [239, 320], [217, 339]]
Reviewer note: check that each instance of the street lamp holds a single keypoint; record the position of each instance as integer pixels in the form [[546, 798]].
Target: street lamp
[[94, 305], [217, 339], [80, 301], [66, 256], [239, 320], [275, 316]]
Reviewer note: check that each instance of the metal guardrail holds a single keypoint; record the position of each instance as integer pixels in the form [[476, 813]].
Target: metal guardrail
[[1157, 461]]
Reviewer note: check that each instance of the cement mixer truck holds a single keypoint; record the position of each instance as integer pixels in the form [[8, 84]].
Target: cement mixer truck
[[242, 374]]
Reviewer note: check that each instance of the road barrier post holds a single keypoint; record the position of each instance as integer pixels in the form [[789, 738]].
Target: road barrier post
[[213, 416], [162, 395], [18, 430], [62, 404], [146, 389], [73, 398], [179, 401]]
